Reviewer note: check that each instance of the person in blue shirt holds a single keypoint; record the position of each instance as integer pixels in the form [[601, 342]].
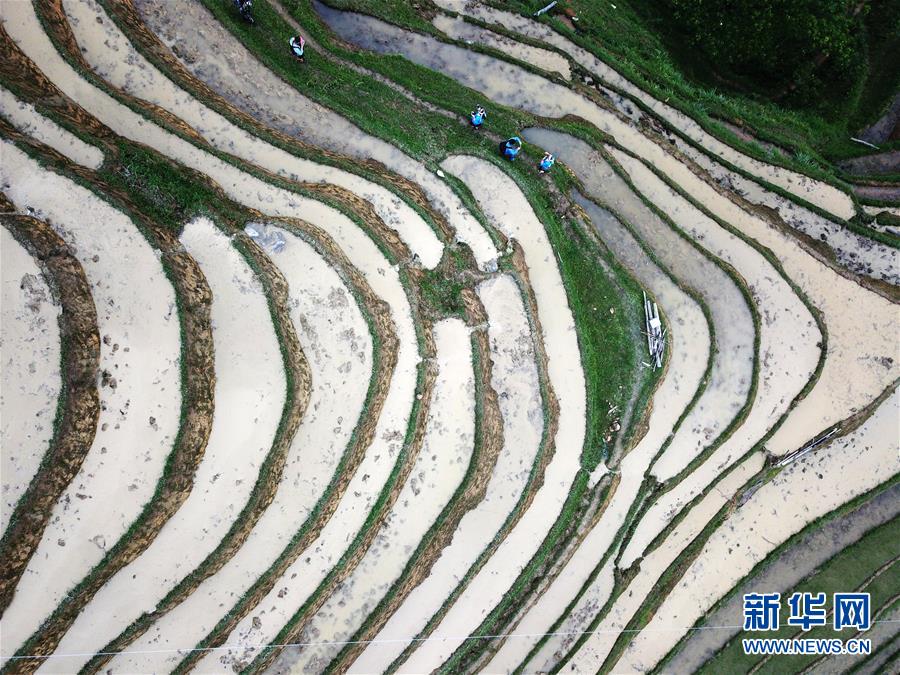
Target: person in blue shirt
[[477, 116], [510, 148], [297, 44], [546, 163]]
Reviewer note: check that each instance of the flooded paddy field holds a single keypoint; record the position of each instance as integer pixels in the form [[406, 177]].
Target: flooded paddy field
[[288, 389]]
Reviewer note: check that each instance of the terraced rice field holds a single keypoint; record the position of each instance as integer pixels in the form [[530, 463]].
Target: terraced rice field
[[300, 376]]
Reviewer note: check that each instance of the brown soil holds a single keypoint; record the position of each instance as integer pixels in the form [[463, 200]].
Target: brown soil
[[77, 420]]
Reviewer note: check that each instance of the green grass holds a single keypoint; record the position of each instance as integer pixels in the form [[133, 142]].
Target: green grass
[[846, 571], [157, 186], [430, 137], [637, 39]]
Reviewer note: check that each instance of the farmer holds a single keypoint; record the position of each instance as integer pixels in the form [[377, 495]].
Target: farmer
[[511, 147], [546, 163], [478, 116], [297, 44], [245, 9]]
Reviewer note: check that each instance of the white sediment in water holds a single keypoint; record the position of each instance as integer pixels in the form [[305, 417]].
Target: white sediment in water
[[688, 345], [826, 197], [788, 335], [515, 379], [24, 28], [806, 489], [114, 58], [460, 29], [437, 472], [596, 648], [234, 72], [862, 255], [24, 117], [249, 399], [728, 385], [335, 340], [861, 357], [875, 210], [788, 353], [508, 209], [576, 621], [29, 369], [140, 404]]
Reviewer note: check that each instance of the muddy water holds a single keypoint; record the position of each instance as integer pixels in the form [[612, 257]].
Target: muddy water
[[859, 254], [576, 621], [438, 471], [689, 348], [24, 117], [338, 348], [807, 489], [111, 55], [29, 367], [459, 29], [732, 366], [821, 194], [140, 402], [862, 352], [249, 397], [24, 28], [596, 648], [788, 352], [507, 208], [785, 572], [187, 27], [515, 379]]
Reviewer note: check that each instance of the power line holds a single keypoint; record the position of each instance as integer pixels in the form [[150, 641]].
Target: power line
[[342, 643]]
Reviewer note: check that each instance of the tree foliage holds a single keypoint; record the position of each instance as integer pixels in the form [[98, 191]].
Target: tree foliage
[[791, 48]]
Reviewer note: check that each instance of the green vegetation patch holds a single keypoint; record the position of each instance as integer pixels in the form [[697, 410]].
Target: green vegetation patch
[[846, 571], [157, 186]]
